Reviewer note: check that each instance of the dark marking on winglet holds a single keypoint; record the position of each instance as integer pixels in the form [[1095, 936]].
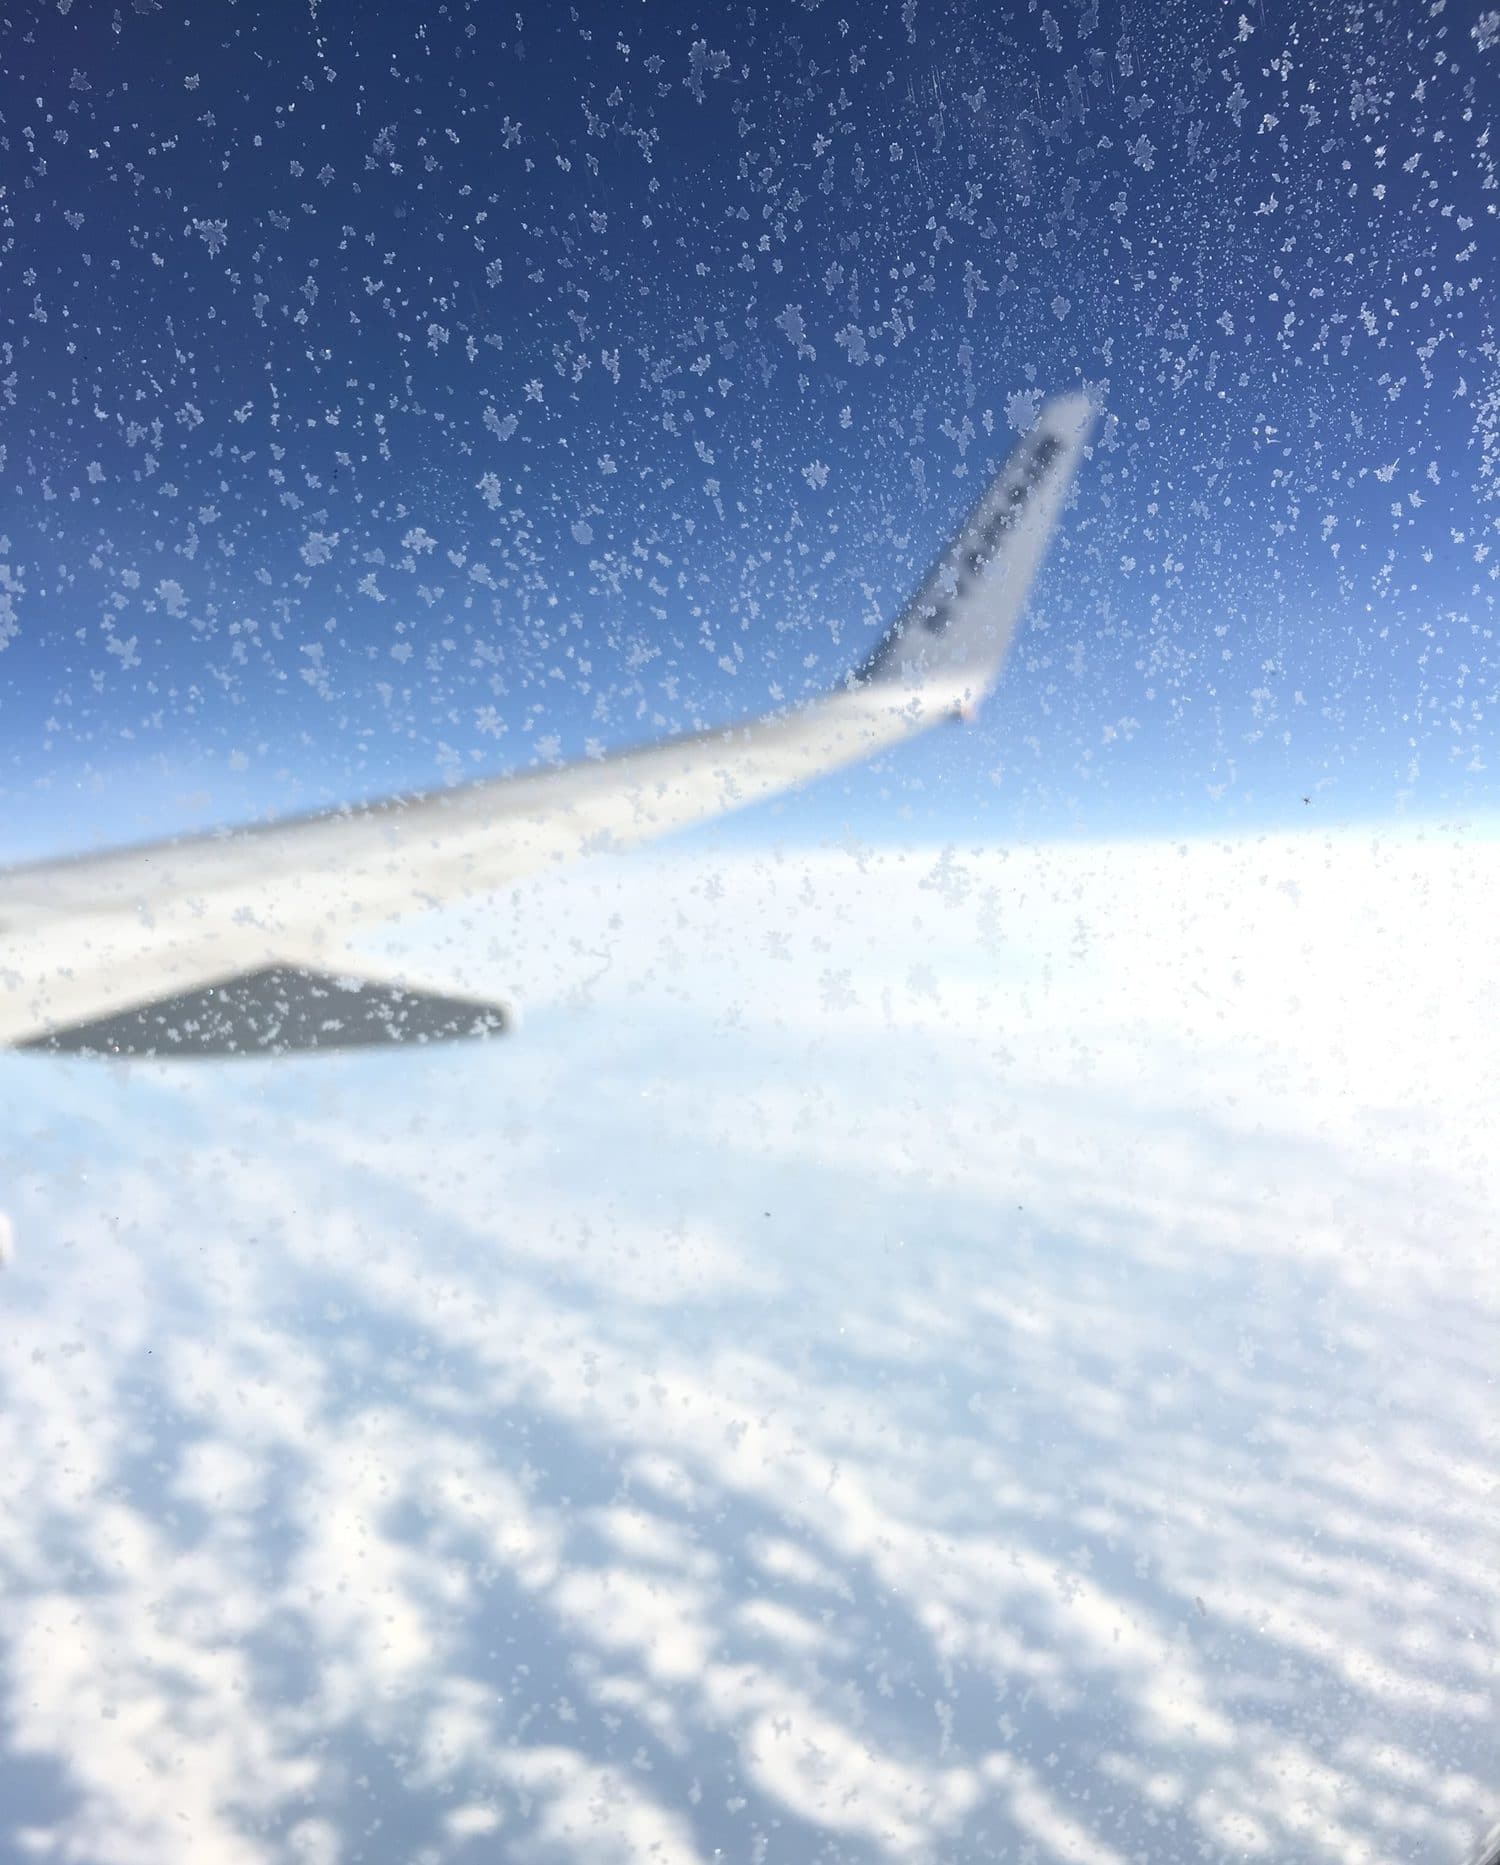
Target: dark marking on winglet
[[1030, 465]]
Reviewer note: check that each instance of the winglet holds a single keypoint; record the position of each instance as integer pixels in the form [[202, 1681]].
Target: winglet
[[956, 630]]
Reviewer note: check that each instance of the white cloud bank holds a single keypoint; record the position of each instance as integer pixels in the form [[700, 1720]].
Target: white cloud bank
[[904, 1356]]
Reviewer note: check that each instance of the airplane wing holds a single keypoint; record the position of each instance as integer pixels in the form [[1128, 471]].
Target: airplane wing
[[233, 942]]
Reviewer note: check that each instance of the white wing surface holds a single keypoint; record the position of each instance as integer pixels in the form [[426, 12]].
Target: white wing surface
[[232, 942]]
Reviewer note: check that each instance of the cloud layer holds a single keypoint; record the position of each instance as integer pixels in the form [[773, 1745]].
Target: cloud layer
[[940, 1355]]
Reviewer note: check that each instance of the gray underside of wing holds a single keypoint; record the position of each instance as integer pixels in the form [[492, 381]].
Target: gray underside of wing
[[278, 1010]]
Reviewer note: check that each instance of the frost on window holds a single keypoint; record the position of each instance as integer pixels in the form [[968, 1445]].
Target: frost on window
[[946, 1312]]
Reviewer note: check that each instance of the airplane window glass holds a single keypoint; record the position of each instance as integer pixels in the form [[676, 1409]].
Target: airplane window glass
[[747, 937]]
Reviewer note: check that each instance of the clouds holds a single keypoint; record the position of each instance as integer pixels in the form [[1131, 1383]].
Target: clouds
[[1042, 1404]]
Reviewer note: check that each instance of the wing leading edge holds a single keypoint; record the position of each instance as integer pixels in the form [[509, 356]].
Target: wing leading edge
[[233, 942]]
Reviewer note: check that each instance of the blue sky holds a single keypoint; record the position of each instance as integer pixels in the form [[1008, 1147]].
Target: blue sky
[[397, 399]]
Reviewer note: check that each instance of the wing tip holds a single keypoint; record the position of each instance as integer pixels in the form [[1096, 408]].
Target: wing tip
[[1070, 415]]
